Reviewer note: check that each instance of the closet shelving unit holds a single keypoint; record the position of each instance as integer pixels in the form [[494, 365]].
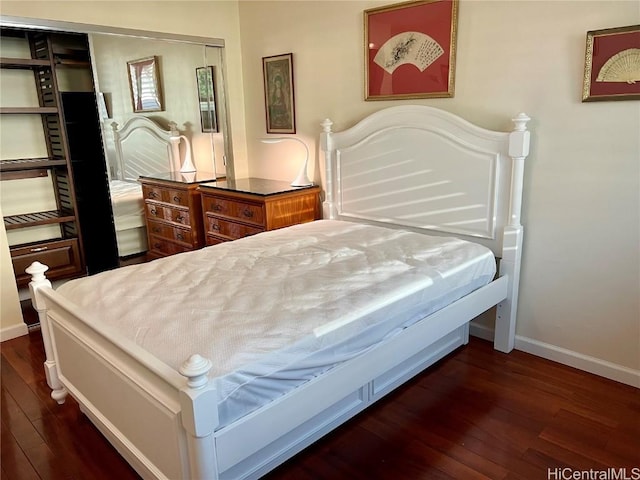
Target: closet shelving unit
[[63, 253]]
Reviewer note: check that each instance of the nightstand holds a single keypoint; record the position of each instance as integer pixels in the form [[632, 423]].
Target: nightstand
[[173, 212], [237, 208]]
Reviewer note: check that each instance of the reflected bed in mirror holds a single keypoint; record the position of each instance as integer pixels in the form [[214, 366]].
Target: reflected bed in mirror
[[142, 147]]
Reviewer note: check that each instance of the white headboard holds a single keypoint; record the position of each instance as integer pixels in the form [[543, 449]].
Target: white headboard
[[426, 169], [143, 147]]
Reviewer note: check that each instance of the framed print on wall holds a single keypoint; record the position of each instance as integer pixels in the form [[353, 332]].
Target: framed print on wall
[[144, 84], [612, 64], [278, 93], [410, 50], [205, 78]]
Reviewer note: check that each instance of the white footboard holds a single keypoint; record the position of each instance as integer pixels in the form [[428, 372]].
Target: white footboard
[[143, 407]]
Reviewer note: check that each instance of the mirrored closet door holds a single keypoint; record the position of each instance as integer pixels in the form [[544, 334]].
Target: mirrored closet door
[[156, 103]]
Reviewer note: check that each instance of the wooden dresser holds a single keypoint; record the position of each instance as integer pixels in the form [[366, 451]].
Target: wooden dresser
[[234, 209], [173, 212]]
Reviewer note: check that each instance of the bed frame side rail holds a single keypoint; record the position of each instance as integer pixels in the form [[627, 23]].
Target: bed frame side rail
[[267, 437]]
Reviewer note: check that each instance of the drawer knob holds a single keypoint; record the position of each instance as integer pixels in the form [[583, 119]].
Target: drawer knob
[[153, 195], [215, 227], [177, 199], [217, 208], [179, 218], [154, 212], [247, 213], [179, 236], [156, 229]]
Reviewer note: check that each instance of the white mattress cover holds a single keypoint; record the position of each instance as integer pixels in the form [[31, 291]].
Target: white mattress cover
[[274, 310], [128, 204]]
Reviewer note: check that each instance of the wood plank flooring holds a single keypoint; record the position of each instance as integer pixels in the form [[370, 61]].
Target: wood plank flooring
[[478, 414]]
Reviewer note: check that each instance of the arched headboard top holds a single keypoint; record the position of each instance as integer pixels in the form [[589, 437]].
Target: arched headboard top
[[426, 169], [143, 147]]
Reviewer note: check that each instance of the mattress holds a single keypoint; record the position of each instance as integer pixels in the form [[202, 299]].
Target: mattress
[[127, 203], [276, 309]]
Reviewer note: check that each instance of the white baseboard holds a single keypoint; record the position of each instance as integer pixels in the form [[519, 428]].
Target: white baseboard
[[14, 331], [570, 358]]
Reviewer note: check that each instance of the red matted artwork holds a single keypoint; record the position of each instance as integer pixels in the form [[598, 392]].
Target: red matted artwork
[[410, 50], [612, 64]]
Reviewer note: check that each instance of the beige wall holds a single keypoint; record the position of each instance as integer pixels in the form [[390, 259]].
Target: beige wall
[[11, 322], [580, 279]]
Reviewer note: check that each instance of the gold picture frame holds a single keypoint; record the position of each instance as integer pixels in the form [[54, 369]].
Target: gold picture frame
[[410, 50], [278, 93], [612, 64], [144, 85]]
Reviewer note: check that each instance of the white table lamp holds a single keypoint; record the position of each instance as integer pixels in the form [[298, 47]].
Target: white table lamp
[[302, 180]]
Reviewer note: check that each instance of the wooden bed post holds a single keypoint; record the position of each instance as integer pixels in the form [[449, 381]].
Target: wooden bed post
[[505, 329], [38, 281], [328, 206], [199, 418]]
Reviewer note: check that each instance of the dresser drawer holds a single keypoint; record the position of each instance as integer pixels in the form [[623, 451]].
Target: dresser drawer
[[162, 246], [229, 230], [61, 256], [170, 214], [163, 230], [166, 195], [242, 211]]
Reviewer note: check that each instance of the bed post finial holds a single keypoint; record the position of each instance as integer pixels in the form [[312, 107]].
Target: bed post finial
[[521, 122], [196, 369], [199, 417]]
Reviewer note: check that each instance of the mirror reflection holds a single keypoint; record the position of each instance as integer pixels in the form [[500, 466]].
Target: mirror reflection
[[130, 104], [139, 143]]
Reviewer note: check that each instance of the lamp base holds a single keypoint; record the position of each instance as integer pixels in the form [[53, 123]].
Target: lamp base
[[305, 184], [302, 180]]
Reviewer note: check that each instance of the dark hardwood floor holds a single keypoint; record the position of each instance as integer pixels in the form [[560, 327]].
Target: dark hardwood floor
[[477, 414]]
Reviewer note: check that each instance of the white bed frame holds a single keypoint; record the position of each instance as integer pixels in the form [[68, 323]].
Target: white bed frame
[[142, 147], [377, 171]]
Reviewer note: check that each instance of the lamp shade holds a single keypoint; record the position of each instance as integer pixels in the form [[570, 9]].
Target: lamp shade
[[301, 180]]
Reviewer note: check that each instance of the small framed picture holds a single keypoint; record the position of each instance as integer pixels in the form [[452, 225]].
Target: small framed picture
[[144, 83], [205, 78], [410, 50], [612, 64], [278, 93]]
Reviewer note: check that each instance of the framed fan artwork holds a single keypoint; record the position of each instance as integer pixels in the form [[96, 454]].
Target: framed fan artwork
[[410, 50], [612, 64]]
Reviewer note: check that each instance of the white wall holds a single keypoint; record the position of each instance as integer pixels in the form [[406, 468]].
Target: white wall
[[579, 296]]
